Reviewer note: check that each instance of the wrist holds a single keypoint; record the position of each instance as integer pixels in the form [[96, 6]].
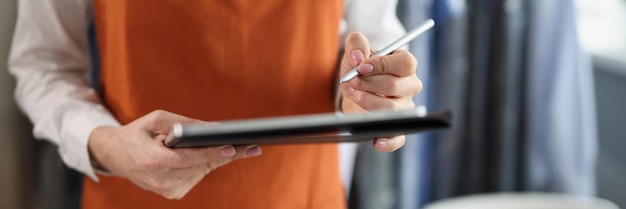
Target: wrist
[[96, 146]]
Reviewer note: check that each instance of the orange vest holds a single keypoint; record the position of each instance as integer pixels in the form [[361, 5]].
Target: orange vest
[[217, 60]]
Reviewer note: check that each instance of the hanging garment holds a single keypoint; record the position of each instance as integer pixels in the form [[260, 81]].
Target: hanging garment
[[522, 97], [413, 161], [490, 153], [527, 121], [450, 79], [506, 87], [561, 133]]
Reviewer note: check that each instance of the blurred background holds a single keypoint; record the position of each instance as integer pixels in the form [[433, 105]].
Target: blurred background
[[537, 88]]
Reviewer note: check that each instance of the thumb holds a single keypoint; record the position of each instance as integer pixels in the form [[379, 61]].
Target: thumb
[[357, 48], [161, 122]]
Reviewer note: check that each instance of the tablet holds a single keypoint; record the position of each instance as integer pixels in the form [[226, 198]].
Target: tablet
[[314, 128]]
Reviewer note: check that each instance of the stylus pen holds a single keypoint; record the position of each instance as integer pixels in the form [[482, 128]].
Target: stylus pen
[[393, 46]]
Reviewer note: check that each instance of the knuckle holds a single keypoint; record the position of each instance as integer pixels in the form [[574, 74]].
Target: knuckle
[[419, 86], [410, 62], [157, 115], [159, 185], [359, 84], [209, 154], [154, 114], [380, 105], [392, 87], [152, 118], [393, 106], [158, 112], [400, 105], [411, 104], [183, 158], [207, 169], [214, 160], [171, 194], [383, 65], [358, 98], [404, 104], [214, 164]]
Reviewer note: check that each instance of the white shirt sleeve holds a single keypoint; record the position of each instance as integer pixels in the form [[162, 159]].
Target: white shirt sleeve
[[376, 19], [50, 61]]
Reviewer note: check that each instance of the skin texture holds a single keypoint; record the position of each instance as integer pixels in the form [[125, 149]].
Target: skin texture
[[135, 151]]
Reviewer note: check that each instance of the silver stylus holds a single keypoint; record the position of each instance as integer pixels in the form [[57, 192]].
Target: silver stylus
[[393, 46]]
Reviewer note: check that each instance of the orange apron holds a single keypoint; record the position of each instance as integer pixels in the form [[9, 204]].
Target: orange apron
[[224, 59]]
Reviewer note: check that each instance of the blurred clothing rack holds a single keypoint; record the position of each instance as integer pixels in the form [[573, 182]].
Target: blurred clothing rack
[[521, 88]]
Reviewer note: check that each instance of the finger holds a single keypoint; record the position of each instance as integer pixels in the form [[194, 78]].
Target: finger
[[175, 183], [161, 122], [178, 174], [240, 152], [216, 156], [370, 101], [389, 144], [388, 85], [357, 48], [401, 63]]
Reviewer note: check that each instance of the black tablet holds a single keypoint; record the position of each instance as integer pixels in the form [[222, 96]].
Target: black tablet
[[314, 128]]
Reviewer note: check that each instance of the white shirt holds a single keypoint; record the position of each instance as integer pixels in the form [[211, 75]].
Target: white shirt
[[50, 60]]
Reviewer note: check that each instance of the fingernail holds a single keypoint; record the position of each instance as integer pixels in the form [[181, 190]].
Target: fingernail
[[254, 151], [228, 151], [381, 144], [357, 57], [350, 90], [366, 69]]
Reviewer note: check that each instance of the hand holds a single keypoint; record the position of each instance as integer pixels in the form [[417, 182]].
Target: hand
[[385, 82], [136, 152]]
